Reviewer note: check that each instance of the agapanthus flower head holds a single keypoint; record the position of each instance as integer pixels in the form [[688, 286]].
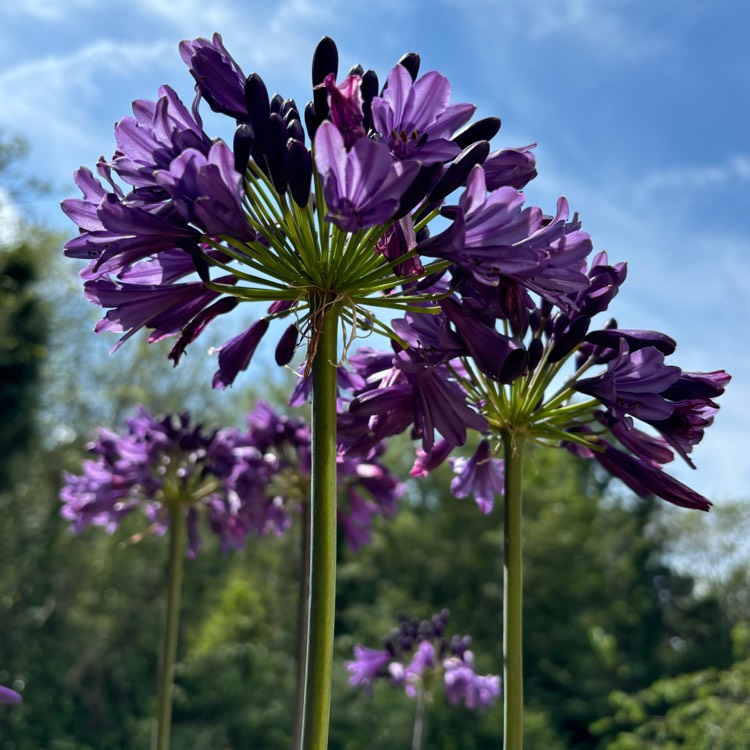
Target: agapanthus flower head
[[243, 482], [633, 415], [178, 223], [418, 656]]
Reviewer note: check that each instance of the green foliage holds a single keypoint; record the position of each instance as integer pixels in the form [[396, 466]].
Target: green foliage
[[705, 710]]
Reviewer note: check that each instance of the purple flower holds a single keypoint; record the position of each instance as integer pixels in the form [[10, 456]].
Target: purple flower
[[218, 78], [207, 191], [421, 394], [512, 167], [362, 186], [645, 478], [633, 384], [463, 684], [415, 119], [481, 476], [159, 132], [418, 656], [9, 696], [345, 104], [235, 354], [368, 664], [165, 309]]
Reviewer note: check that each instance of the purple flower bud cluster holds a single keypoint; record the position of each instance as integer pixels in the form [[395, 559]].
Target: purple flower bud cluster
[[417, 655], [242, 481]]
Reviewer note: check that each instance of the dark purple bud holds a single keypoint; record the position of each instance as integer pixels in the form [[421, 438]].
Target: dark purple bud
[[356, 70], [611, 337], [513, 303], [536, 349], [277, 101], [243, 144], [425, 180], [277, 136], [287, 345], [459, 169], [289, 105], [311, 120], [482, 130], [369, 90], [568, 336], [298, 171], [296, 131], [411, 62], [258, 109], [325, 62], [496, 355]]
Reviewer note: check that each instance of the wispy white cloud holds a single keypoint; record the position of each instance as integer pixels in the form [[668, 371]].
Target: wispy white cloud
[[55, 101]]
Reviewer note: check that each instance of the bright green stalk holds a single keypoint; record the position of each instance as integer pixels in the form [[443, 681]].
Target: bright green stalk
[[174, 584], [513, 444], [322, 539]]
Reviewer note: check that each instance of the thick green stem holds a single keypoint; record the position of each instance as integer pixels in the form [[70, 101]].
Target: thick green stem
[[169, 651], [301, 628], [322, 540], [513, 444], [419, 720]]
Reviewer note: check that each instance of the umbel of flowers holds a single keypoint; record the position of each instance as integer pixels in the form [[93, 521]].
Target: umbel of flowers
[[326, 213], [234, 482], [418, 657]]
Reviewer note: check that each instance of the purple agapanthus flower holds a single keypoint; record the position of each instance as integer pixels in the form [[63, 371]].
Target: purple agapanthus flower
[[362, 186], [415, 119], [481, 476], [242, 482], [418, 656], [10, 696]]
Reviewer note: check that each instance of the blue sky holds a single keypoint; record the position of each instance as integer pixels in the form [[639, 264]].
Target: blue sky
[[640, 110]]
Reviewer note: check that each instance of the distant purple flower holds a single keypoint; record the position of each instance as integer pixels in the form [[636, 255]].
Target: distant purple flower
[[419, 656], [368, 664], [463, 684], [481, 476], [415, 119], [9, 696], [363, 186]]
